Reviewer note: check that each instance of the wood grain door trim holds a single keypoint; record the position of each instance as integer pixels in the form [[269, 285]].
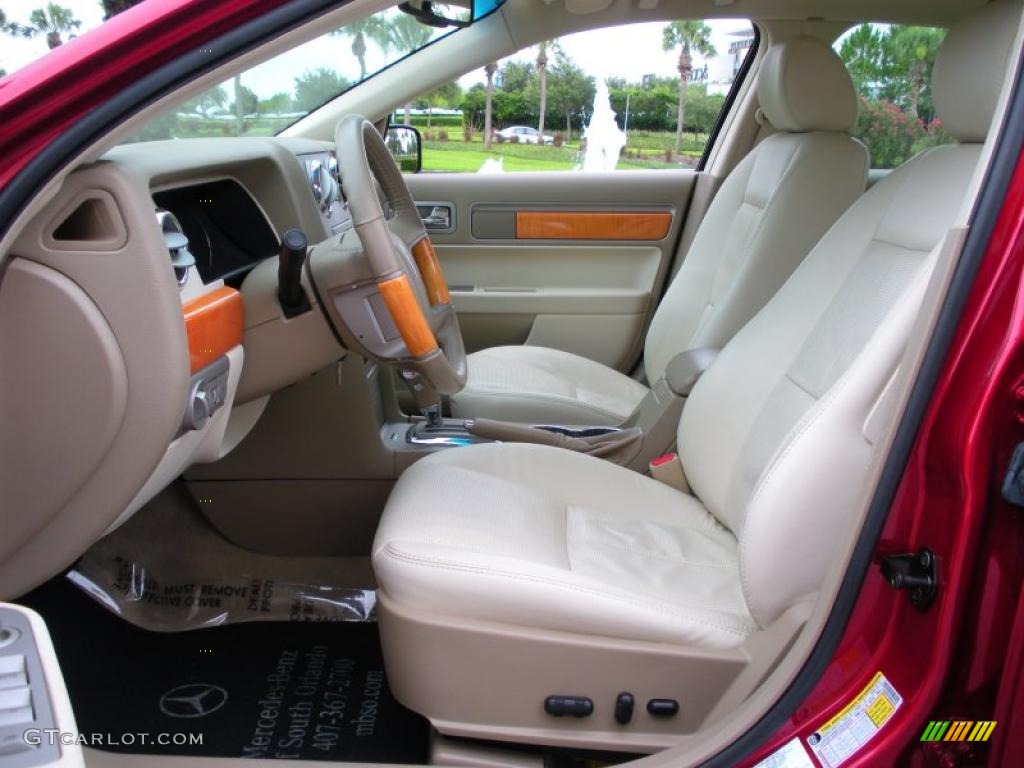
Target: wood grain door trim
[[593, 225]]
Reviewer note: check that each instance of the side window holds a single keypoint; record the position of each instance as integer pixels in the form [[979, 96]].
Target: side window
[[567, 105], [891, 67]]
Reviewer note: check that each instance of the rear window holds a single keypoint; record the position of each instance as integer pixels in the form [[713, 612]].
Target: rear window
[[891, 66]]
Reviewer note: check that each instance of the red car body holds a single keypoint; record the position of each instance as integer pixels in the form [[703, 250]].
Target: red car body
[[963, 659]]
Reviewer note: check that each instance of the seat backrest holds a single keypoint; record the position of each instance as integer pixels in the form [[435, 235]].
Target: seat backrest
[[774, 437], [772, 208]]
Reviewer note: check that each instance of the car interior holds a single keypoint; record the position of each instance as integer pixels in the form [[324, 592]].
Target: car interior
[[325, 460]]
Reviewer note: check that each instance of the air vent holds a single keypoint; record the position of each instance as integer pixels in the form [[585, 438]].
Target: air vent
[[177, 244]]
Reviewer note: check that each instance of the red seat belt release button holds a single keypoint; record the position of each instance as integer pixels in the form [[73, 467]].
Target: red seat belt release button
[[668, 469]]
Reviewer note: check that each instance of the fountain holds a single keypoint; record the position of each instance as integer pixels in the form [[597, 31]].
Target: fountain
[[604, 139]]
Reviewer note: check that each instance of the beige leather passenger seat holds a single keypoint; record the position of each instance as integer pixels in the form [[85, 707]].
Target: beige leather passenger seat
[[770, 211], [509, 573]]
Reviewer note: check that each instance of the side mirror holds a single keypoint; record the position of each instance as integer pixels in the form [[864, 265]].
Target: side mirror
[[406, 146]]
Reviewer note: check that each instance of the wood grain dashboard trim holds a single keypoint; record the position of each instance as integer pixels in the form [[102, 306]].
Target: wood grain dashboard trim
[[592, 225], [214, 324]]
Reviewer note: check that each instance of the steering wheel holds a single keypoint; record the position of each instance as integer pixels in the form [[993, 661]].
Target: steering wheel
[[423, 329]]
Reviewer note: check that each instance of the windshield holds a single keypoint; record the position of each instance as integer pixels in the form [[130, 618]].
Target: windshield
[[266, 99]]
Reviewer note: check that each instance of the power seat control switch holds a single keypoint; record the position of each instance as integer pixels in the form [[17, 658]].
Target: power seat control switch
[[624, 704], [569, 706], [25, 703], [208, 392], [663, 707]]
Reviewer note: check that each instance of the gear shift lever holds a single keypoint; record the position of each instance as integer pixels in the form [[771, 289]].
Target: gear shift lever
[[427, 400]]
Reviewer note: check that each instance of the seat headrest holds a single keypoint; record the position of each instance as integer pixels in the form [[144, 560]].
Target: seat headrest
[[970, 68], [803, 86]]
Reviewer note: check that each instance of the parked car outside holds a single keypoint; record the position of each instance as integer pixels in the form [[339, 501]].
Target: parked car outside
[[524, 134]]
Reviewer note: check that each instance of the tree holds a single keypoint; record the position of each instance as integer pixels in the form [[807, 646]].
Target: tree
[[444, 96], [404, 34], [207, 103], [863, 52], [912, 51], [54, 21], [113, 7], [489, 71], [314, 88], [277, 104], [372, 27], [516, 76], [472, 106], [570, 90], [542, 75], [687, 36]]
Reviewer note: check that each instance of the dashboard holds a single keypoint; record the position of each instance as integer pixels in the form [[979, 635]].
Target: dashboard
[[146, 309], [228, 230]]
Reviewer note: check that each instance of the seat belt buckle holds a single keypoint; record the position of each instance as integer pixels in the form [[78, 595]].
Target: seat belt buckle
[[668, 469]]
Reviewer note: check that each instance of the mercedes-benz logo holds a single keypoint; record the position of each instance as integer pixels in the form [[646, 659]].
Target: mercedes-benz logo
[[193, 700]]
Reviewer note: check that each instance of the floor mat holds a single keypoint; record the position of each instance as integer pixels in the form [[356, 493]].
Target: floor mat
[[313, 691], [167, 569]]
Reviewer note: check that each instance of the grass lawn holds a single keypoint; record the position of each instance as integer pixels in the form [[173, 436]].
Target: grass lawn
[[459, 156]]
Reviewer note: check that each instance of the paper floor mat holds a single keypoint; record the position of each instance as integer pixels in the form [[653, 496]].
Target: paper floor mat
[[168, 570]]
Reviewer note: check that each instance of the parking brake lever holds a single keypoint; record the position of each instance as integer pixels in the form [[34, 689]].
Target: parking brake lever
[[289, 273]]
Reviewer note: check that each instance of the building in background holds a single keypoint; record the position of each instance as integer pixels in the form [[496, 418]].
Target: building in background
[[724, 67]]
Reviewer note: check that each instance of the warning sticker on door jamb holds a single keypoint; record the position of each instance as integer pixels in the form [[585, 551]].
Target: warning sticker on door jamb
[[858, 722]]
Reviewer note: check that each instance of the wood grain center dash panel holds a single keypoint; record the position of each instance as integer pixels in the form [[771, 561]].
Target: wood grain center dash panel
[[214, 324], [592, 225]]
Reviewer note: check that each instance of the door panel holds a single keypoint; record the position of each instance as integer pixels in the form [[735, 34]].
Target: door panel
[[567, 260]]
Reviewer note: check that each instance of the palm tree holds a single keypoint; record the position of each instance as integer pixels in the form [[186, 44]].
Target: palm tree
[[54, 21], [542, 71], [371, 27], [113, 7], [489, 70], [687, 36], [912, 49], [404, 34]]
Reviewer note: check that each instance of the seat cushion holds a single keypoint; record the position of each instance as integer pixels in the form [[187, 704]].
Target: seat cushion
[[541, 537], [543, 385]]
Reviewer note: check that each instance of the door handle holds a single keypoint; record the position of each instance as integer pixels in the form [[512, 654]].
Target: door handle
[[437, 217]]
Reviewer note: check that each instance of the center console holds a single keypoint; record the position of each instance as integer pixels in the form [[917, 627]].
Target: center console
[[649, 432]]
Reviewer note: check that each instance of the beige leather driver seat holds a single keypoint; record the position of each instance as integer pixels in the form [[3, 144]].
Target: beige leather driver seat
[[768, 214], [510, 573]]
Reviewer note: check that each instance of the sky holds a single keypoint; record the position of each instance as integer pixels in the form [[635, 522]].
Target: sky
[[590, 50]]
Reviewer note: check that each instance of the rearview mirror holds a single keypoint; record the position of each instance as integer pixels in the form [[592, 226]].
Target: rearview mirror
[[406, 146], [433, 14]]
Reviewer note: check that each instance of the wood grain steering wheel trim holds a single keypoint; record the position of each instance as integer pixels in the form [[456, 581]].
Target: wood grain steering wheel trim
[[430, 270], [405, 310]]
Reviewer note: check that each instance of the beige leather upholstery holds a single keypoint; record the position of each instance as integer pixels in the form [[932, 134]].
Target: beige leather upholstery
[[800, 88], [538, 537], [768, 214], [965, 83], [773, 440], [537, 384]]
